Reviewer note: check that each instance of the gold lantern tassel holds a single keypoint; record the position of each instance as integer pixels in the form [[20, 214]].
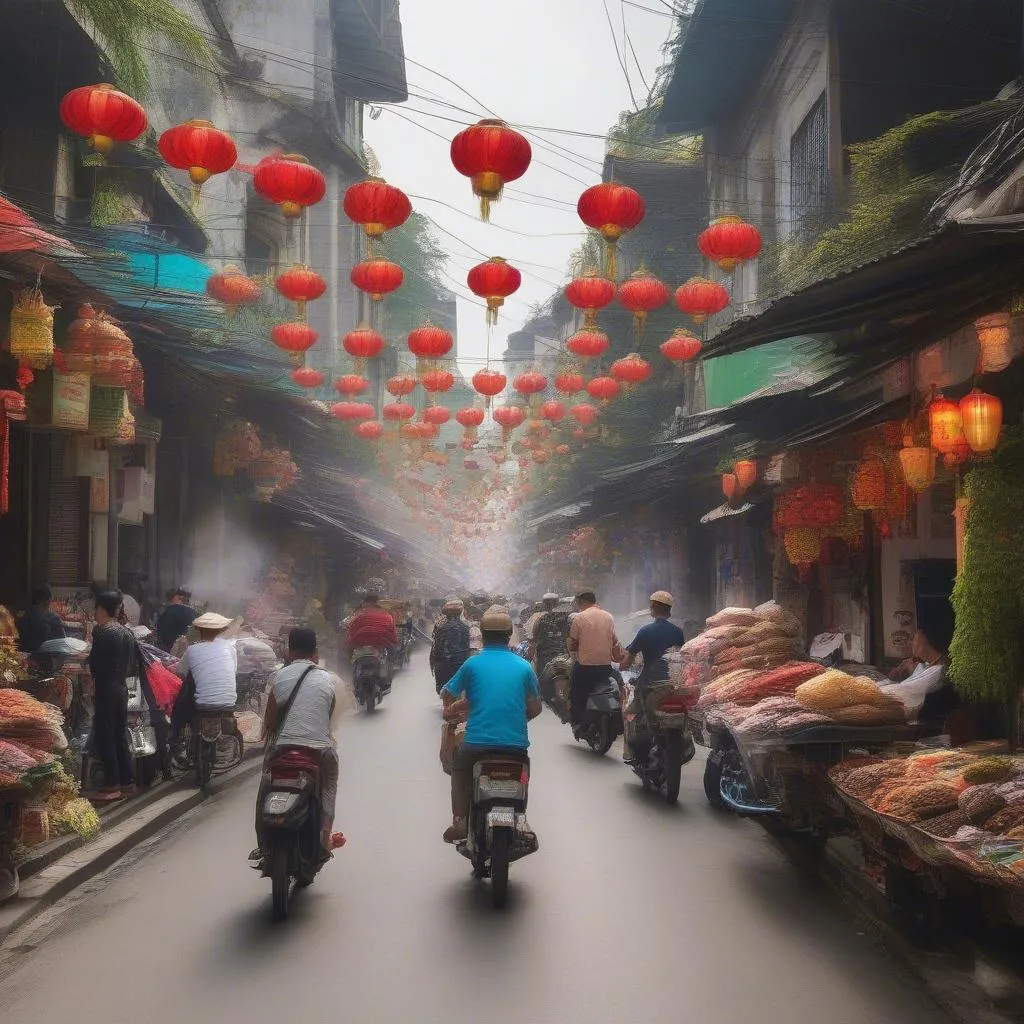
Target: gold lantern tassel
[[610, 263]]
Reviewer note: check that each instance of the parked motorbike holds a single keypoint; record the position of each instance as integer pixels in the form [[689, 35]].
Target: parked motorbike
[[291, 818], [371, 676], [498, 832], [658, 737]]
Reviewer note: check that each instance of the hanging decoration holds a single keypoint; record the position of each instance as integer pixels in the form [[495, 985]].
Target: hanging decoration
[[370, 430], [590, 293], [300, 285], [398, 412], [377, 277], [289, 181], [24, 376], [508, 417], [362, 344], [730, 486], [745, 471], [103, 116], [307, 377], [469, 418], [814, 505], [294, 338], [701, 298], [588, 344], [945, 424], [982, 417], [729, 241], [429, 344], [604, 389], [401, 384], [436, 382], [494, 281], [199, 148], [436, 414], [349, 412], [994, 338], [642, 293], [491, 155], [351, 384], [803, 548], [584, 414], [868, 492], [918, 467], [553, 412], [113, 355], [530, 384], [12, 407], [631, 370], [376, 206], [489, 383], [232, 288], [31, 329], [682, 347], [611, 210], [570, 383]]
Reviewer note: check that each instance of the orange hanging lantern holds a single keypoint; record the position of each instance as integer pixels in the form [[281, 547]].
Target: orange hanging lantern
[[701, 298], [631, 370], [436, 414], [611, 210], [590, 293], [103, 116], [994, 338], [982, 416], [746, 473], [397, 412], [494, 281], [377, 277], [294, 338], [944, 424], [604, 388], [553, 412], [401, 384], [681, 347], [348, 412], [351, 384], [641, 294], [729, 241], [307, 377], [490, 154], [437, 381], [289, 181], [200, 149], [918, 467], [868, 492], [588, 344], [959, 455], [508, 417], [232, 288], [489, 383], [370, 430], [300, 285], [376, 206], [803, 548], [363, 343], [428, 344], [584, 414], [570, 383], [730, 486]]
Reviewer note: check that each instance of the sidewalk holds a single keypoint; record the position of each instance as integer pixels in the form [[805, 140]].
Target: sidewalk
[[58, 867]]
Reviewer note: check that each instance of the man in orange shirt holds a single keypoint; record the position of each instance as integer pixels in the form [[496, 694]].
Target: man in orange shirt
[[594, 646]]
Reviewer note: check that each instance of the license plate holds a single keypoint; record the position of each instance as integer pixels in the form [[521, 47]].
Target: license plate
[[499, 787], [502, 817]]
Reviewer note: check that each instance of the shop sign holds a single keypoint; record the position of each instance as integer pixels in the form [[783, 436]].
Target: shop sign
[[91, 458], [99, 489], [70, 405]]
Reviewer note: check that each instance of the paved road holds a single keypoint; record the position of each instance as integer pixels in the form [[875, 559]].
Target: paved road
[[631, 912]]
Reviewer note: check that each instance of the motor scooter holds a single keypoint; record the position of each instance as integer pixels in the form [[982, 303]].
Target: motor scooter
[[371, 676], [602, 722]]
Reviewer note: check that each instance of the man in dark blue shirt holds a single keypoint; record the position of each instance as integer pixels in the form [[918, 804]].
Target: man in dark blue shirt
[[657, 637]]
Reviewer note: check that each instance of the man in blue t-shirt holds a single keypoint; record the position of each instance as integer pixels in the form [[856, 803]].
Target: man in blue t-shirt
[[657, 637], [498, 693]]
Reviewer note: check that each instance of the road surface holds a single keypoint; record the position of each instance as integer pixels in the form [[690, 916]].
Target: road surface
[[631, 912]]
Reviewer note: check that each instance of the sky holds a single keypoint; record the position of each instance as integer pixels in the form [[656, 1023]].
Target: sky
[[546, 64]]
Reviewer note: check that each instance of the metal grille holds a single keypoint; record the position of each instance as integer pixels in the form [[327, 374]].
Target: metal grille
[[66, 522], [808, 154]]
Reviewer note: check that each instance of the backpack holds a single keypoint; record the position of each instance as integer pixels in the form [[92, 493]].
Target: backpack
[[452, 641]]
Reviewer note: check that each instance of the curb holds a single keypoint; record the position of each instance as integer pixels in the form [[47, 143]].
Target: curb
[[70, 862]]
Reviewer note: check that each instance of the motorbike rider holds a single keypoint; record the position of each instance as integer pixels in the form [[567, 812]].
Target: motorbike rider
[[499, 691], [209, 668], [450, 643], [594, 645], [371, 626], [309, 725], [549, 636]]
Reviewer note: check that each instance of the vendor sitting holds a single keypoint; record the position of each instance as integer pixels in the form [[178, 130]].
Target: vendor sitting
[[929, 653]]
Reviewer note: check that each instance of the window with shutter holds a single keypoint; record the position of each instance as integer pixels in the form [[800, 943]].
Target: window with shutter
[[67, 522], [808, 154]]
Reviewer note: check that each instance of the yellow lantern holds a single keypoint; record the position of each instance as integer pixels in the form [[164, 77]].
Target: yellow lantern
[[32, 329], [803, 548], [982, 419], [918, 467], [944, 424], [994, 339]]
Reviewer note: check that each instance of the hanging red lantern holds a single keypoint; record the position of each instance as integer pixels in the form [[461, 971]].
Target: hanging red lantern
[[530, 383], [401, 384], [376, 206], [370, 430], [200, 149], [489, 383], [631, 370], [398, 411], [700, 298], [436, 381], [508, 417], [570, 383], [730, 485], [290, 181], [428, 344], [351, 384], [590, 292], [604, 388], [584, 414], [553, 412], [588, 344], [869, 488], [642, 293], [307, 377], [611, 210], [436, 414], [377, 277], [982, 419], [745, 471], [494, 281], [490, 154], [24, 376], [469, 419], [231, 287], [363, 343], [729, 241], [681, 347], [945, 424], [103, 115], [294, 338], [351, 411], [300, 285]]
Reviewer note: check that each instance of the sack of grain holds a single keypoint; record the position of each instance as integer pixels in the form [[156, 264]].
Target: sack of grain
[[1002, 821], [885, 712], [864, 781], [981, 802], [918, 801], [777, 682], [990, 769], [833, 689], [733, 617]]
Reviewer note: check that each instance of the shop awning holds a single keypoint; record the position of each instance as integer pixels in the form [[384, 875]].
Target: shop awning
[[20, 233]]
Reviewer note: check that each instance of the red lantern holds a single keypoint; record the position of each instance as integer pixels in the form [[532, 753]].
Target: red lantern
[[398, 411], [294, 338], [611, 210], [494, 281], [300, 285], [370, 430], [530, 383], [631, 370], [588, 344], [306, 377], [584, 414], [508, 417], [24, 376], [701, 298], [489, 383], [470, 417], [590, 293], [745, 472], [401, 385], [435, 381], [377, 277], [290, 181], [199, 148], [231, 287], [681, 347], [570, 383], [729, 241], [730, 485], [553, 412], [490, 154], [103, 115], [945, 424], [376, 206], [428, 344], [351, 384], [363, 343], [642, 293], [604, 388], [436, 414], [350, 411], [983, 419]]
